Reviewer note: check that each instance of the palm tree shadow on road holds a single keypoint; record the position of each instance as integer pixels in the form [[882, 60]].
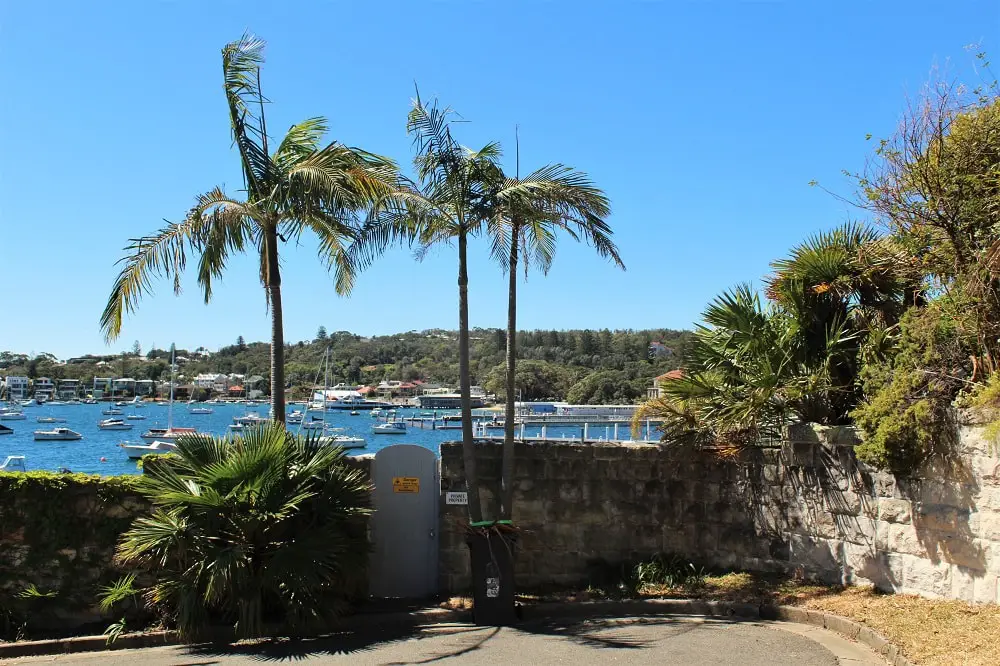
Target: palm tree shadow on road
[[591, 632]]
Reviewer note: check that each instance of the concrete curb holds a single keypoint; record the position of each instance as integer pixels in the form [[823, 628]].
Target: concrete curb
[[649, 607]]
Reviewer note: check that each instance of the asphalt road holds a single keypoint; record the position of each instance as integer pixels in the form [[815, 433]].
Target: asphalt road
[[673, 640]]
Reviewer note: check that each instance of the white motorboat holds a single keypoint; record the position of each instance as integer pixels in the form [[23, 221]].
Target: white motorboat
[[201, 410], [9, 414], [58, 434], [137, 403], [26, 403], [73, 402], [4, 430], [295, 417], [343, 441], [55, 403], [136, 451], [314, 424], [121, 403], [13, 464], [114, 424], [390, 428], [250, 419], [89, 401], [50, 419], [135, 417], [112, 412]]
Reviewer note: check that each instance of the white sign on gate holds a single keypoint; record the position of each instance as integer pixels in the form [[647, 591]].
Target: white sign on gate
[[456, 498]]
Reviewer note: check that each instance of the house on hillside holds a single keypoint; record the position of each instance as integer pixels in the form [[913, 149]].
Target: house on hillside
[[659, 350], [654, 391]]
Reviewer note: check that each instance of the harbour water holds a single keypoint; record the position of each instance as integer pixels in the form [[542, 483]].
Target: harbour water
[[85, 455]]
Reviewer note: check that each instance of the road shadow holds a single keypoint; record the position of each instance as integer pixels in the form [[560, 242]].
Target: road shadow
[[599, 633]]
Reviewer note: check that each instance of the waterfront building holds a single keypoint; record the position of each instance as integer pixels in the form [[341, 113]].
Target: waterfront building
[[15, 387], [44, 388], [446, 401], [623, 411], [145, 387], [69, 389], [102, 385], [123, 386]]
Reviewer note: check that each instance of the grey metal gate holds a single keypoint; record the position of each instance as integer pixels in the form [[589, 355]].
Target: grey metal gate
[[405, 523]]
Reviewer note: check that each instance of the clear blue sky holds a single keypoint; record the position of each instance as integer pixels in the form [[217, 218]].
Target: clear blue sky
[[704, 122]]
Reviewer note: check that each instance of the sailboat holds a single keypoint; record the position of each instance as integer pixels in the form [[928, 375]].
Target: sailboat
[[319, 423], [170, 433]]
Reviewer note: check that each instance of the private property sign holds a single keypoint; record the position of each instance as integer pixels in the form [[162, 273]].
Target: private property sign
[[461, 498]]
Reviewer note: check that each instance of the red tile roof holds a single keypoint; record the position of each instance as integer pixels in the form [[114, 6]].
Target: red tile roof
[[673, 374]]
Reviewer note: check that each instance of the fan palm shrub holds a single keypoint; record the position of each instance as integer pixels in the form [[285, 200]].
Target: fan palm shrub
[[266, 531], [755, 366]]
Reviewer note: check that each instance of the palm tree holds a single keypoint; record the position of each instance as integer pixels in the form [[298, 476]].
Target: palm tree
[[753, 367], [303, 185], [268, 525], [449, 201], [525, 218]]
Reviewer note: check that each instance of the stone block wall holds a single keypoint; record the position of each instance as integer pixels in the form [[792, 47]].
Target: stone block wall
[[802, 506], [58, 534]]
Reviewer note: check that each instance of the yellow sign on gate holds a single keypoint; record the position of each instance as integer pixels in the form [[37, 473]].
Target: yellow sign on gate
[[405, 484]]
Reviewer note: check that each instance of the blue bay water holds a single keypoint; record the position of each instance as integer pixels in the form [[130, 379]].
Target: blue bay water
[[85, 455]]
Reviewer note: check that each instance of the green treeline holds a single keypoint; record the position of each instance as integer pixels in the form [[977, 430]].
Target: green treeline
[[583, 366]]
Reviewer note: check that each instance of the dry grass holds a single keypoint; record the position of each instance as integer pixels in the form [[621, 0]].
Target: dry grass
[[930, 632]]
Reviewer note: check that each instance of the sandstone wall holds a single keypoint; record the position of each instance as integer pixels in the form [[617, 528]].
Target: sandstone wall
[[804, 505]]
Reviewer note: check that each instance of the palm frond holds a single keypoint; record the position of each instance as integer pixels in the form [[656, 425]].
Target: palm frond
[[163, 254]]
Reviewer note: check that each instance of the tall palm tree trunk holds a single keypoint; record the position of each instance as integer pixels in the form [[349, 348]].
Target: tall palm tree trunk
[[507, 464], [465, 380], [277, 329]]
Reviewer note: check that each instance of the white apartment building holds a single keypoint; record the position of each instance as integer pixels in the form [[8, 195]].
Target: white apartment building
[[69, 388], [44, 387], [123, 386], [16, 387], [212, 380]]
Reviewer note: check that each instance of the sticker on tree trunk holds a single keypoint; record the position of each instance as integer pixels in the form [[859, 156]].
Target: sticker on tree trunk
[[405, 484], [492, 587]]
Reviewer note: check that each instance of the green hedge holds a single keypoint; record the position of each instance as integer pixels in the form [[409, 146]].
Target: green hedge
[[58, 533]]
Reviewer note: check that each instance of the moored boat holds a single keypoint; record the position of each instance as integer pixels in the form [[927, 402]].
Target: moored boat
[[114, 424], [50, 419], [390, 428], [135, 417], [135, 450], [112, 412], [4, 430], [13, 464], [58, 434], [343, 441], [167, 434], [12, 415], [201, 410]]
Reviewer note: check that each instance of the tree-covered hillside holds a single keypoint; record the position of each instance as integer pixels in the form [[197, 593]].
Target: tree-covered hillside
[[579, 365]]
